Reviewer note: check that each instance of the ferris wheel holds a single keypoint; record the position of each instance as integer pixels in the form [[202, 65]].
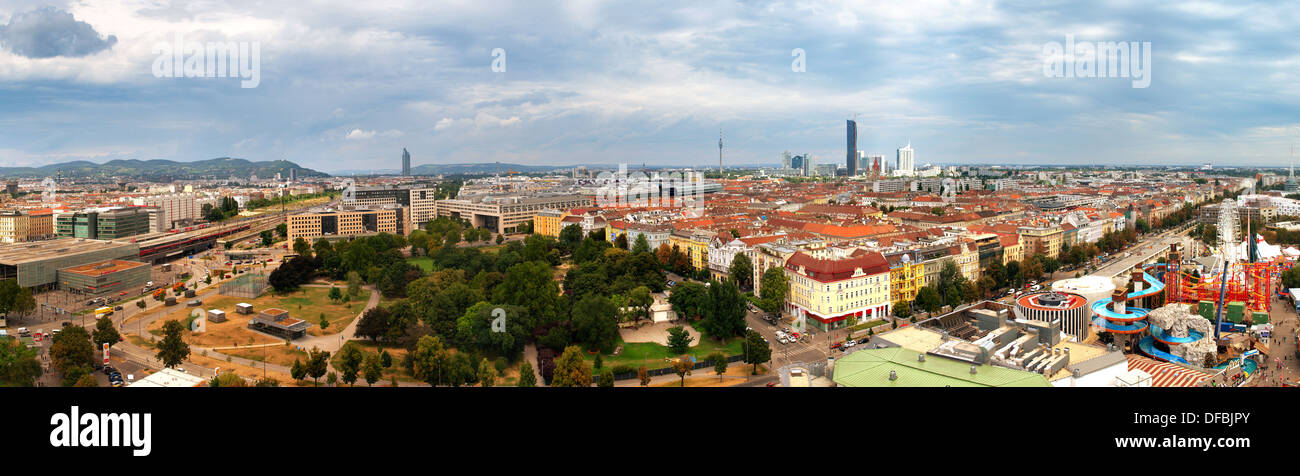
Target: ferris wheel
[[1228, 226]]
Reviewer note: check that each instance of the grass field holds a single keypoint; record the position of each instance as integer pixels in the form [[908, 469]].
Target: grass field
[[654, 355], [424, 262], [275, 354], [249, 373]]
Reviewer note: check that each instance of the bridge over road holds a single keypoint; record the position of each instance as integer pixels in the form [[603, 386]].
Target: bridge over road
[[1150, 250]]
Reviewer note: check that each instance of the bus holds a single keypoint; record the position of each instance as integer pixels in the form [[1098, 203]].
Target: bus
[[103, 311]]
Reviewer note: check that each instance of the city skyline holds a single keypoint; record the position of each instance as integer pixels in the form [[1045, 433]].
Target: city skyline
[[340, 91]]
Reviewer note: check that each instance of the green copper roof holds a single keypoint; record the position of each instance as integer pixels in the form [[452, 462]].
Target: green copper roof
[[870, 368]]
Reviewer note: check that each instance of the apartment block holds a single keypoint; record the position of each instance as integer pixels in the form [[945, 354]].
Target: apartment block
[[345, 223], [14, 226], [836, 291]]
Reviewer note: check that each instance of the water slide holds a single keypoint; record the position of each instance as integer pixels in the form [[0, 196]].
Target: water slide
[[1133, 320]]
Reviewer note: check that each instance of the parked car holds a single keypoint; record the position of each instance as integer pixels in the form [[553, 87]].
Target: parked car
[[863, 340], [849, 343]]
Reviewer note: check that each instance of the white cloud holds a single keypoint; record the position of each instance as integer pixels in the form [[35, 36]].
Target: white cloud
[[358, 134]]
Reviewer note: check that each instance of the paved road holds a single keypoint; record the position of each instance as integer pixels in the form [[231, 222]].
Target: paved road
[[1150, 246]]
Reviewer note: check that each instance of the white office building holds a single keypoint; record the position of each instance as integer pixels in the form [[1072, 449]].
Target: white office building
[[906, 160], [177, 208]]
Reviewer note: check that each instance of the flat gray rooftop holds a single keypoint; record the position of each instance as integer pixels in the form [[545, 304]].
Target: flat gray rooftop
[[17, 253]]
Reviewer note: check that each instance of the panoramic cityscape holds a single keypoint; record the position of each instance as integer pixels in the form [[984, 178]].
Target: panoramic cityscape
[[709, 198]]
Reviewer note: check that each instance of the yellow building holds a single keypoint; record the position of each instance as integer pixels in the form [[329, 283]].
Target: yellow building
[[905, 275], [1041, 240], [13, 226], [968, 261], [833, 292], [547, 222], [694, 244], [1011, 249]]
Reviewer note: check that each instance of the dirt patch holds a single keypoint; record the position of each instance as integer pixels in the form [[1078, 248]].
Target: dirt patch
[[308, 304], [249, 373]]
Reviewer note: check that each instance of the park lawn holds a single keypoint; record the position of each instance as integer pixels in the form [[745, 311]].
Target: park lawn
[[306, 303], [654, 355], [387, 302], [424, 262], [139, 341], [310, 303], [275, 354], [249, 373]]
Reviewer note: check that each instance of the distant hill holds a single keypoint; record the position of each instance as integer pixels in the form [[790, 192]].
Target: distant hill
[[220, 168]]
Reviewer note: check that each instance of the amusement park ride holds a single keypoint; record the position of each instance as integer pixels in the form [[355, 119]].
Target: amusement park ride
[[1243, 287]]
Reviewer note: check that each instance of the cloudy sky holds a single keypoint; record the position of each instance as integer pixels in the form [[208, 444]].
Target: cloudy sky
[[345, 85]]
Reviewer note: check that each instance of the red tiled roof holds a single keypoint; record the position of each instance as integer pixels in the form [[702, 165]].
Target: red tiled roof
[[825, 270]]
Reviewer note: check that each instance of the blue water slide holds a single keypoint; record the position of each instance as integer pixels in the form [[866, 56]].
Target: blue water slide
[[1147, 346]]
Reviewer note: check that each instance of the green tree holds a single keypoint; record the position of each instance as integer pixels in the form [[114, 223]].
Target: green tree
[[301, 247], [742, 271], [719, 363], [757, 350], [15, 299], [526, 376], [227, 379], [350, 359], [902, 309], [172, 350], [487, 374], [19, 366], [317, 364], [690, 300], [679, 340], [643, 375], [374, 370], [642, 244], [640, 299], [86, 380], [726, 317], [335, 295], [105, 333], [928, 298], [606, 378], [775, 286], [683, 367], [267, 238], [354, 284], [571, 370], [298, 371], [430, 360]]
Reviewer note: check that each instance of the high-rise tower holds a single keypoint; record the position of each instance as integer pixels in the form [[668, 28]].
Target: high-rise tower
[[851, 154], [406, 162]]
